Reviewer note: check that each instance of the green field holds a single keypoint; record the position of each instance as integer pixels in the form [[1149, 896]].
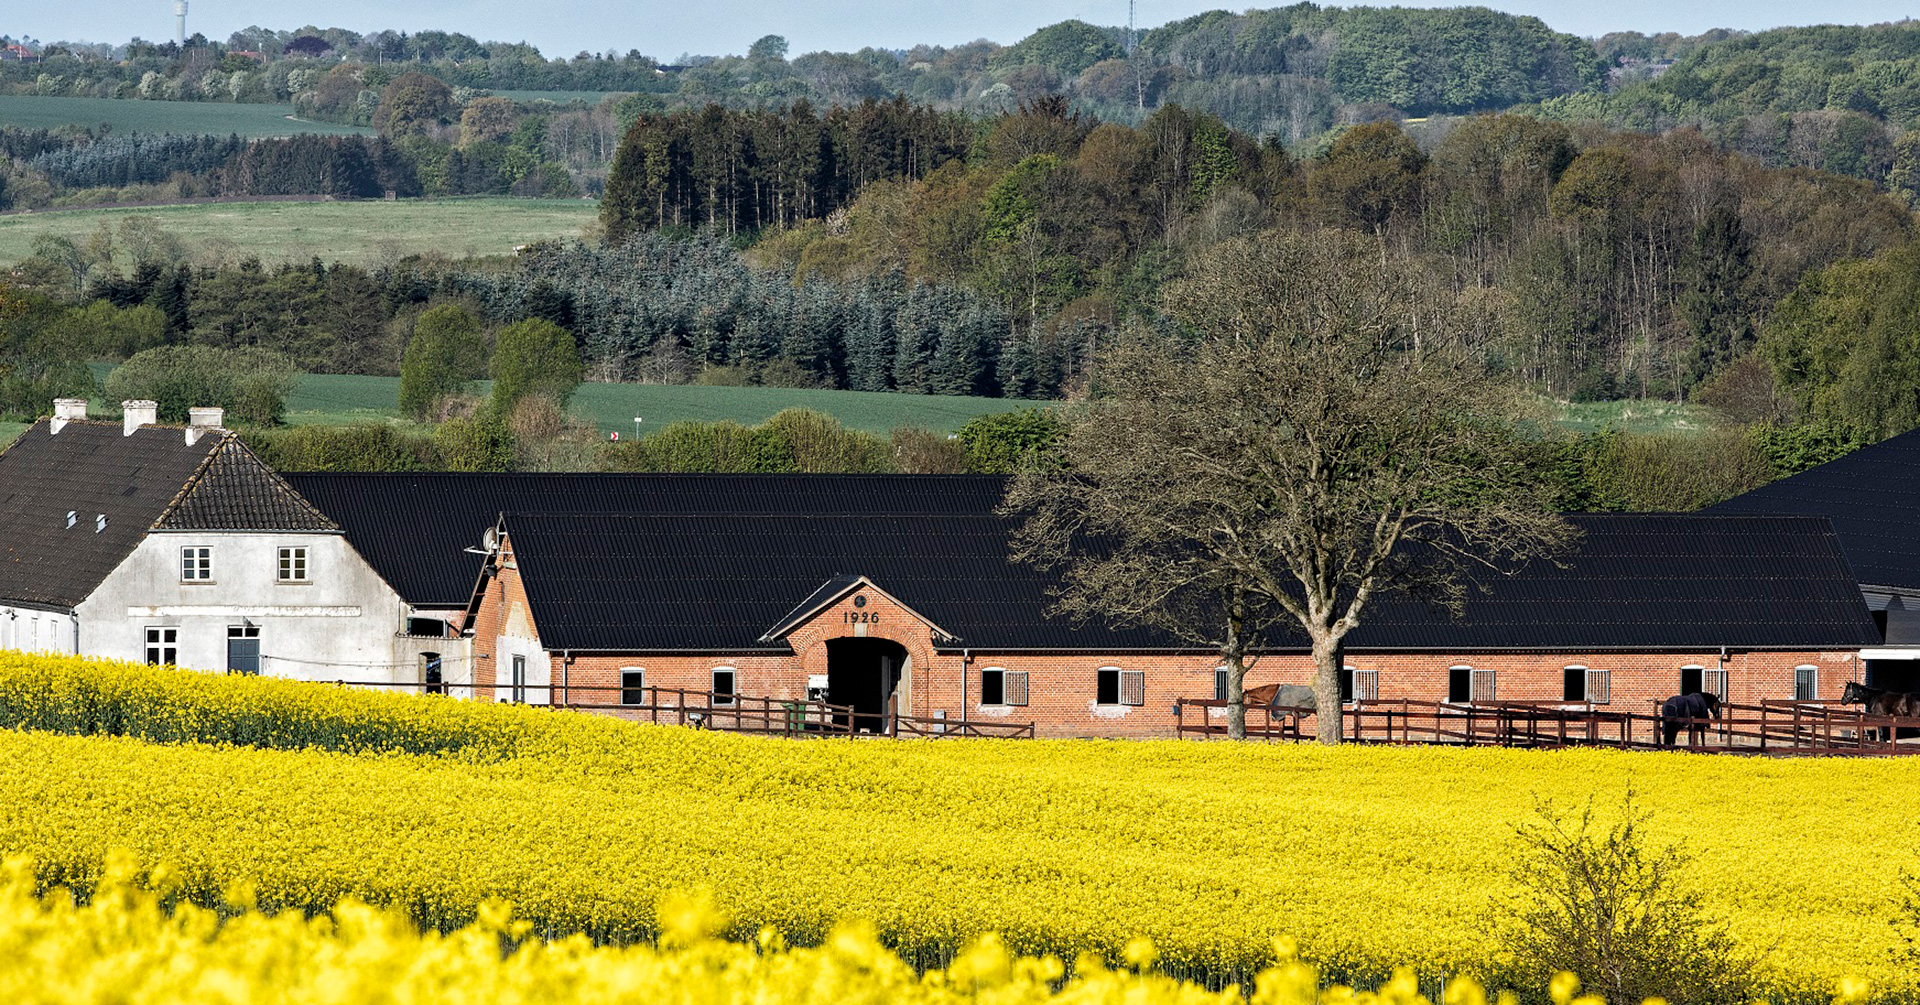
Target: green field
[[10, 431], [359, 232], [1632, 416], [31, 112], [331, 399], [558, 97]]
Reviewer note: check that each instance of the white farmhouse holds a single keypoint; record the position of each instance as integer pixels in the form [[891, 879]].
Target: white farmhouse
[[175, 545]]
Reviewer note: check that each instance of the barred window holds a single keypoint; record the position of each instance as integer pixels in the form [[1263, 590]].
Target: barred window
[[1716, 684], [1483, 685], [1366, 685], [1133, 687], [1806, 683], [1016, 687], [1220, 684], [1600, 686]]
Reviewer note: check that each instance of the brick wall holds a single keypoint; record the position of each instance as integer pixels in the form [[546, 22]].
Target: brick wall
[[1062, 687]]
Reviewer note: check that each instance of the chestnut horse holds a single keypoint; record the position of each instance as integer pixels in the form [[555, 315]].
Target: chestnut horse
[[1879, 701]]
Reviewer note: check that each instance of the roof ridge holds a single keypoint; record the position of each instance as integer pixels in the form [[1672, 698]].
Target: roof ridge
[[187, 487], [229, 445]]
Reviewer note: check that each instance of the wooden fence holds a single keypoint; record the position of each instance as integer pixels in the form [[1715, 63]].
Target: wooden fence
[[733, 713], [1770, 727]]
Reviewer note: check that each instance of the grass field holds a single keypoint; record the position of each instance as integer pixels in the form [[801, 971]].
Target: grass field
[[31, 112], [10, 431], [357, 232], [335, 399], [559, 97], [1632, 416]]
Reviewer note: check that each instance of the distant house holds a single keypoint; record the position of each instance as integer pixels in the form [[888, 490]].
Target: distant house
[[1873, 498], [176, 545], [18, 54]]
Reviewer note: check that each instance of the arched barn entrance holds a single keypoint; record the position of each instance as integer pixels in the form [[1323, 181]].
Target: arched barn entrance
[[865, 673]]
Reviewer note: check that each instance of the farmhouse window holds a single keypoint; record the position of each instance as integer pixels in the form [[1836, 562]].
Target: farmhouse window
[[993, 686], [520, 679], [1717, 684], [1483, 685], [163, 646], [196, 565], [1366, 685], [723, 686], [1806, 683], [633, 686], [243, 649], [1220, 683], [1133, 687], [293, 565]]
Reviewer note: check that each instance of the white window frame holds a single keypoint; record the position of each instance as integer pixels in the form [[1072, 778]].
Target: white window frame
[[1468, 700], [1714, 680], [160, 649], [1813, 685], [1221, 681], [517, 668], [626, 689], [1366, 685], [1001, 672], [1133, 688], [196, 564], [1483, 686], [732, 692], [291, 564], [1117, 691]]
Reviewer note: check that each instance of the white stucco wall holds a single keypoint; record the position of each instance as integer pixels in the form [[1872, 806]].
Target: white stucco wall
[[35, 631], [343, 623], [518, 639]]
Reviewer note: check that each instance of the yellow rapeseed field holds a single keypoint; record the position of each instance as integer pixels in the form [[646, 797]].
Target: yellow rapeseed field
[[1370, 857], [128, 946]]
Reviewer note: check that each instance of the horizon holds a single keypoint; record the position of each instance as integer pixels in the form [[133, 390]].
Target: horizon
[[589, 25]]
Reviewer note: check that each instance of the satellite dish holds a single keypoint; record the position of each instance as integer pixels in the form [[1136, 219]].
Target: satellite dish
[[490, 540]]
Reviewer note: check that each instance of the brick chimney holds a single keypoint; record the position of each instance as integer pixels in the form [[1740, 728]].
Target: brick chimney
[[66, 410], [201, 421], [135, 414]]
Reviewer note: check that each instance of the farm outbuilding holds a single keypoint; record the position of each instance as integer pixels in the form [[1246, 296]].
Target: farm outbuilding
[[894, 595]]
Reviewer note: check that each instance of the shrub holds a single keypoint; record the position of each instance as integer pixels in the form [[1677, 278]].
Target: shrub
[[251, 384]]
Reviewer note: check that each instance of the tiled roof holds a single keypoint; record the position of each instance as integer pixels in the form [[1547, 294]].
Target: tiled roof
[[91, 470], [235, 490], [1873, 498], [668, 581]]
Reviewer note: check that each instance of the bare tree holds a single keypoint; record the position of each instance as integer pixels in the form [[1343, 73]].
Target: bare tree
[[1316, 439]]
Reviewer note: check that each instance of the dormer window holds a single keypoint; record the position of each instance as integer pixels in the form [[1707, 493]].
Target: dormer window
[[73, 517], [99, 523]]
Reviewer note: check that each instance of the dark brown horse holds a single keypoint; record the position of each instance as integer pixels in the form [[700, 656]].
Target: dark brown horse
[[1279, 696], [1687, 710], [1879, 701]]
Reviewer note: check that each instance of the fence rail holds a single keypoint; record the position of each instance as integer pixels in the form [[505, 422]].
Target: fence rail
[[735, 713], [1770, 727]]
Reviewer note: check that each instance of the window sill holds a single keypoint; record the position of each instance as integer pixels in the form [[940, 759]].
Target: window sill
[[199, 582], [293, 582]]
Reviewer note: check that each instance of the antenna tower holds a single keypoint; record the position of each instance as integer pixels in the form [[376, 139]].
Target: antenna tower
[[180, 22], [1130, 35]]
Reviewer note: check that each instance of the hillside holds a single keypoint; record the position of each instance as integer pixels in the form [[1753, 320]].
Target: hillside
[[210, 117]]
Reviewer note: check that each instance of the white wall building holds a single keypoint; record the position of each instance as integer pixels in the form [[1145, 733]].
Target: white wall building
[[179, 546]]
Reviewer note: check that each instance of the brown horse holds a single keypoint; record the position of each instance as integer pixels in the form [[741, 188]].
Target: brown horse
[[1879, 701], [1279, 696]]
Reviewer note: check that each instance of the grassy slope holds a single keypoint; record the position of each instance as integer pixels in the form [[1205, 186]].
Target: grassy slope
[[359, 232], [332, 398], [1633, 416], [162, 116]]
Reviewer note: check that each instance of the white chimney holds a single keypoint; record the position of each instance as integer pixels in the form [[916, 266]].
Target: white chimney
[[135, 414], [66, 410], [201, 421]]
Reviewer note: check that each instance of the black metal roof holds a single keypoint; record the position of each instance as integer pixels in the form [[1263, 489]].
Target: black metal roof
[[714, 581], [89, 469], [1873, 498], [413, 528]]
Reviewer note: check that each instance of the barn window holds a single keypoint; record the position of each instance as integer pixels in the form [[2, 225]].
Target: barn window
[[1459, 684], [520, 678], [993, 686], [1107, 687], [723, 686], [1573, 684], [1692, 679], [1133, 687], [1016, 682], [1806, 683], [1483, 685], [1716, 683], [633, 686], [1220, 684], [1366, 685], [243, 649], [163, 646], [431, 674], [1600, 686]]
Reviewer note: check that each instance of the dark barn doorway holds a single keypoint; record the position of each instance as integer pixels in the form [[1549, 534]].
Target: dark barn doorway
[[864, 673]]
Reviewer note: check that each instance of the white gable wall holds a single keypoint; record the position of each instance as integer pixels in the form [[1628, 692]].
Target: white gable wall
[[343, 623]]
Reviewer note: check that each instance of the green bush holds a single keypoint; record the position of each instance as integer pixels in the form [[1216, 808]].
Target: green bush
[[365, 446], [1001, 443], [251, 384]]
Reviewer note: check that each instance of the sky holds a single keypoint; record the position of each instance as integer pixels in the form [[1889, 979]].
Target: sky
[[666, 30]]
